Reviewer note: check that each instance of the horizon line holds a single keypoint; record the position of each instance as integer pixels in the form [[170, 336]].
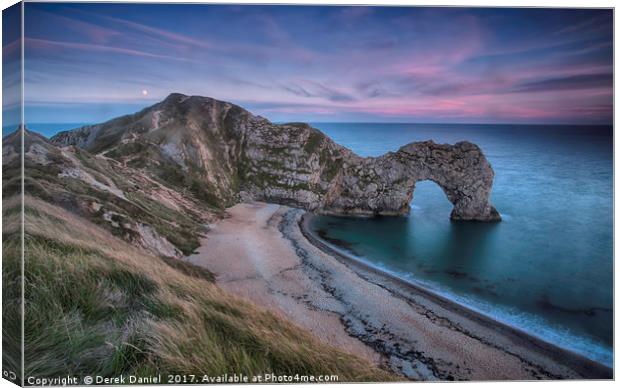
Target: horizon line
[[82, 123]]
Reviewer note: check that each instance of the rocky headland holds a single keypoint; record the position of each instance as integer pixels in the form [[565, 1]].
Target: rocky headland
[[225, 154]]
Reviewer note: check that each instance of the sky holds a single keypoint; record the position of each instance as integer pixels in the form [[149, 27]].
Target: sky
[[87, 63]]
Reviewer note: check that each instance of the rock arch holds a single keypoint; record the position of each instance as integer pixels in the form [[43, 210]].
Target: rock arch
[[385, 185]]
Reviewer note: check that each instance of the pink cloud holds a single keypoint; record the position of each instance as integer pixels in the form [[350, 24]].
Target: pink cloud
[[12, 47]]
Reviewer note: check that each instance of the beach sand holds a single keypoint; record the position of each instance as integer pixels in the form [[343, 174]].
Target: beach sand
[[261, 253]]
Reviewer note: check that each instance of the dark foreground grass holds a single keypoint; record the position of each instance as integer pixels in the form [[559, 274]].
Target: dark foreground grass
[[11, 305], [95, 305]]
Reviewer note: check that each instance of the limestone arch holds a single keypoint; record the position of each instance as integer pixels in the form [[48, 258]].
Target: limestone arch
[[385, 185]]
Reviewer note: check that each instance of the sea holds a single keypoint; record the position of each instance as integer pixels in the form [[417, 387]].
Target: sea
[[546, 269]]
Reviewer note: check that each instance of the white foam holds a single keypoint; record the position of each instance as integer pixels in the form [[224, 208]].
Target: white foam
[[527, 322]]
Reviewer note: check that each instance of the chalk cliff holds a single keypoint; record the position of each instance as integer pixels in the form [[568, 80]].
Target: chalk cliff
[[222, 154]]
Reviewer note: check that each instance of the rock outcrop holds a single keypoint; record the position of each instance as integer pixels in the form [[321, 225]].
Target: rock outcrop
[[125, 201], [224, 154], [385, 185]]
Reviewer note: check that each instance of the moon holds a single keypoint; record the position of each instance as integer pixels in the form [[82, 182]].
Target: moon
[[145, 92]]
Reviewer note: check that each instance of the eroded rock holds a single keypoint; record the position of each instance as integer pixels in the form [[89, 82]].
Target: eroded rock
[[224, 154]]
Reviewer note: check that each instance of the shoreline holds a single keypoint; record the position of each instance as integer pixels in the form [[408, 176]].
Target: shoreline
[[580, 363], [264, 253]]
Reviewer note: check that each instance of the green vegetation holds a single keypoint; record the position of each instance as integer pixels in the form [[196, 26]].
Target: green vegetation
[[97, 305], [296, 124], [180, 229], [126, 149], [264, 179], [314, 141], [203, 191], [331, 166], [169, 173], [11, 301], [180, 226]]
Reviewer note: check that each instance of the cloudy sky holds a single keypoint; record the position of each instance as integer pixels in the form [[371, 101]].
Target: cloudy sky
[[91, 62]]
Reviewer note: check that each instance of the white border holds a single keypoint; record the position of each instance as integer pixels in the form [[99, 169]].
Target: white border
[[463, 3]]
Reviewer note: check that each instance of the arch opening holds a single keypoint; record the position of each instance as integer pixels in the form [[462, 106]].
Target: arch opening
[[429, 197]]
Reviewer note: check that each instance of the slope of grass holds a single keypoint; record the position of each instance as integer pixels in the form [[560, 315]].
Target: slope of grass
[[97, 305], [11, 304]]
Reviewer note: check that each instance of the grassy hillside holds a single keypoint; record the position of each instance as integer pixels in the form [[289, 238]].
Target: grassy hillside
[[130, 204], [95, 304], [11, 296]]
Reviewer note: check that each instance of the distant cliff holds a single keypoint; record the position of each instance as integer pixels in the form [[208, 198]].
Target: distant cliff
[[223, 154]]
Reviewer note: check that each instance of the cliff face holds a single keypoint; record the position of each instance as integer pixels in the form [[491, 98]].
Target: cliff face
[[222, 154]]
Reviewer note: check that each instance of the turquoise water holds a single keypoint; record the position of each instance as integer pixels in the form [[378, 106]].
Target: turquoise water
[[546, 269]]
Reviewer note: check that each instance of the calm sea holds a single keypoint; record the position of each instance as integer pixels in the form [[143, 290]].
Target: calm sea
[[546, 269]]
